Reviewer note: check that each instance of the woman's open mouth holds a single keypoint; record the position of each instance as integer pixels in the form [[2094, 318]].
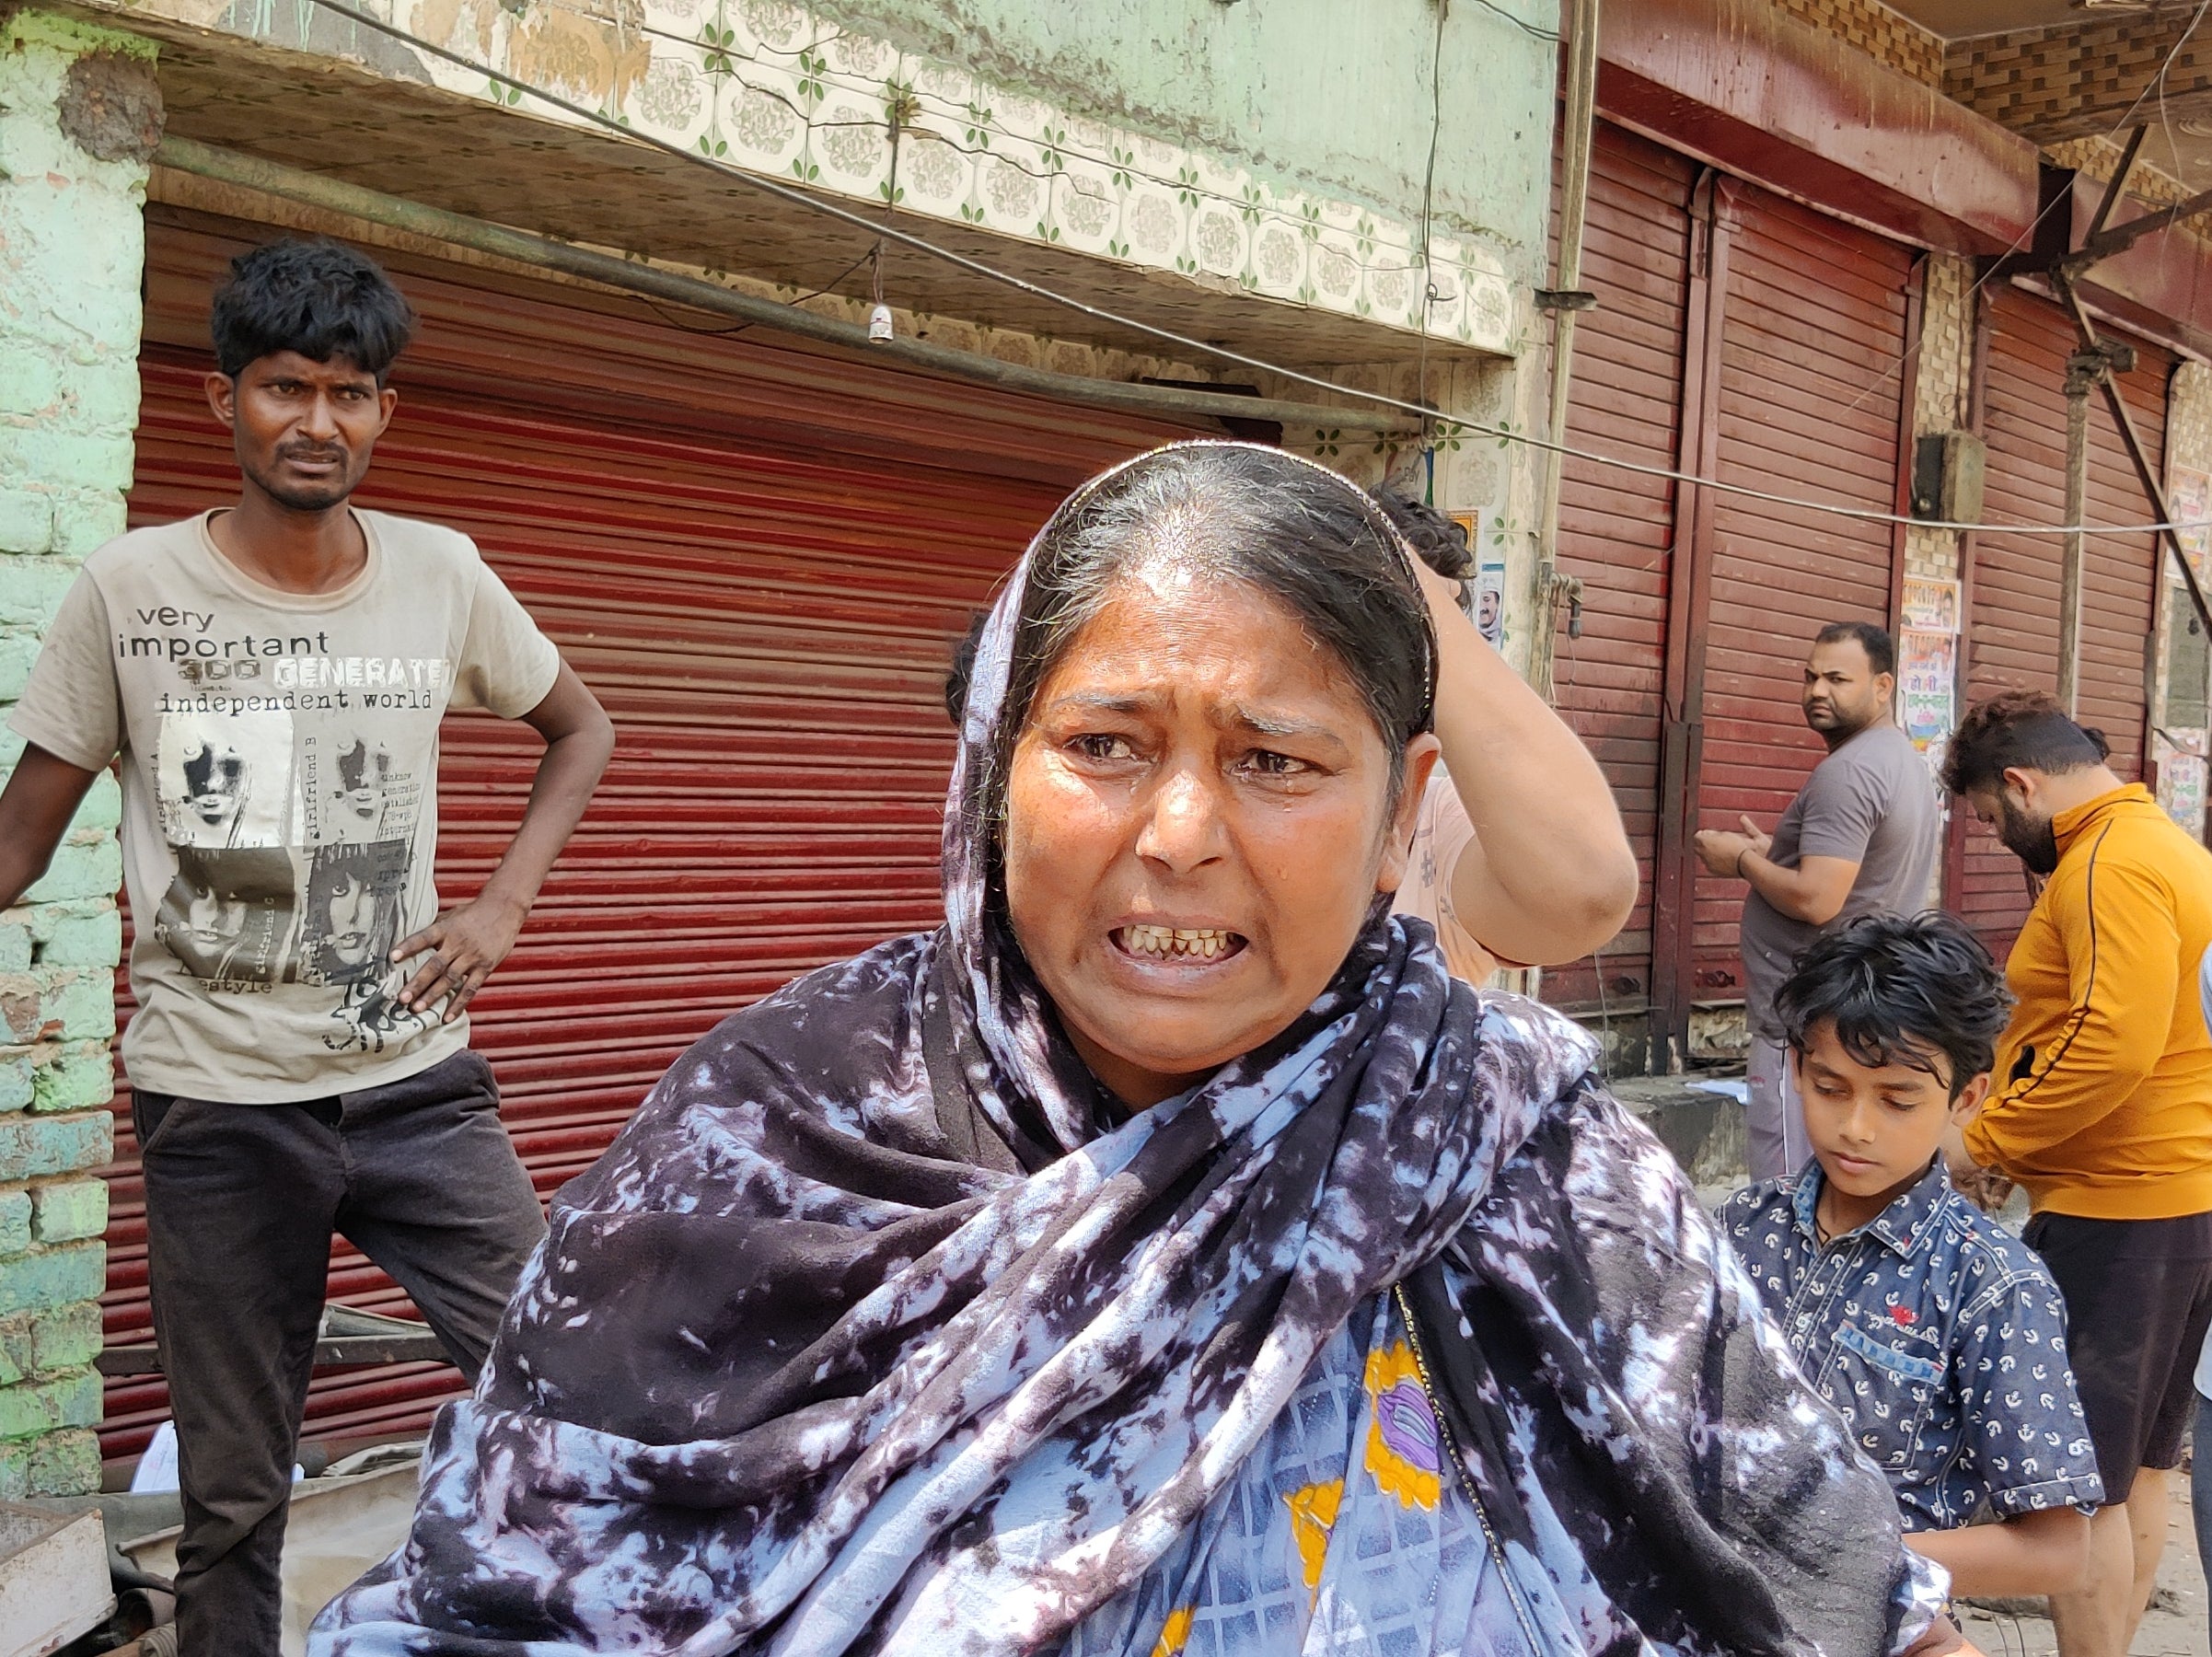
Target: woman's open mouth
[[1194, 944]]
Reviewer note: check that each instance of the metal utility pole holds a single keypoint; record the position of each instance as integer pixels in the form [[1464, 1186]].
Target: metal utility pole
[[2083, 371], [1563, 299]]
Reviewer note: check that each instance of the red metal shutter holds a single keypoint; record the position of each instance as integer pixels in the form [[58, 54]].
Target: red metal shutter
[[758, 554], [1616, 528], [1810, 406], [2013, 616]]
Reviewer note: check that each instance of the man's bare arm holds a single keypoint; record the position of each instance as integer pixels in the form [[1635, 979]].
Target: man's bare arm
[[35, 811]]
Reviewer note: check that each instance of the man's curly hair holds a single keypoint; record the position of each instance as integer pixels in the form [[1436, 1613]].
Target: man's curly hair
[[2026, 730]]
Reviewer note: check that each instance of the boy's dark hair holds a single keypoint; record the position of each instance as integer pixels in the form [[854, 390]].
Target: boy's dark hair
[[1897, 989], [1881, 650], [316, 298], [1443, 544], [2024, 729]]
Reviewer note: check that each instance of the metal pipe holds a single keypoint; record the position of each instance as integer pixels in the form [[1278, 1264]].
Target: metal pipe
[[1578, 122], [543, 252], [2083, 372]]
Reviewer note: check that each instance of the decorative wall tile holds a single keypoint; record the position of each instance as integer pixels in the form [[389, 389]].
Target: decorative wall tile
[[775, 87]]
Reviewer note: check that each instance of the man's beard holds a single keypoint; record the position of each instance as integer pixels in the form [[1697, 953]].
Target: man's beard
[[1841, 724], [2032, 839]]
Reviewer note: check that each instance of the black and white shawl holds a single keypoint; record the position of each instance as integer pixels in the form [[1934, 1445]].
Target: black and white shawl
[[873, 1332]]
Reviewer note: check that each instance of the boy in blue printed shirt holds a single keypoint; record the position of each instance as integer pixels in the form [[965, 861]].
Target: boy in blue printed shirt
[[1938, 1334]]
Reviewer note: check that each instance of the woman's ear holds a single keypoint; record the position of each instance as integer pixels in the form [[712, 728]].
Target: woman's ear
[[1421, 754]]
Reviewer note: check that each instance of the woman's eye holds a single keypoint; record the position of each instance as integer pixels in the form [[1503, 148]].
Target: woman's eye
[[1099, 746]]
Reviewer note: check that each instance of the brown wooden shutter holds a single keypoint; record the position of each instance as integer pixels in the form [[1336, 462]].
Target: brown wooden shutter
[[2013, 616], [1809, 406], [759, 554], [1616, 528]]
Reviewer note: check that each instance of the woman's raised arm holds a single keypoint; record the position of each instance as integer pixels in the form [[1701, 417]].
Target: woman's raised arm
[[1548, 876]]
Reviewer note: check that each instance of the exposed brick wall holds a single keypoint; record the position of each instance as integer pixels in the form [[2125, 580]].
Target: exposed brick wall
[[2076, 80], [75, 119], [2096, 159], [1883, 35]]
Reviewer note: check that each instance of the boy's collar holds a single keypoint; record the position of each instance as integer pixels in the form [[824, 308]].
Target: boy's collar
[[1897, 1227]]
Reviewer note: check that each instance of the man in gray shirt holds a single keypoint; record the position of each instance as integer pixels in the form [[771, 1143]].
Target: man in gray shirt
[[1861, 837]]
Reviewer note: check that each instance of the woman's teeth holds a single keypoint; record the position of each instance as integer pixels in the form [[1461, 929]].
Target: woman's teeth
[[1163, 943]]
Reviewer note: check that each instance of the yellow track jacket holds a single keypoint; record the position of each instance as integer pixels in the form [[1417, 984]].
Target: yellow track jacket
[[2101, 1104]]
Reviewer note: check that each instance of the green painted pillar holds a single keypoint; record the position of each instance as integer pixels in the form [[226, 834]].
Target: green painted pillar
[[80, 113]]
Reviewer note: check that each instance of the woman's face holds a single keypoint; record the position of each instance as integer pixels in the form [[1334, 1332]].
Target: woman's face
[[353, 919], [212, 919], [1197, 825]]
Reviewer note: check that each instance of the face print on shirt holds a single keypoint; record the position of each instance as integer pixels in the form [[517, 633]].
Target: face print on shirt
[[357, 807], [228, 913], [353, 913], [226, 780]]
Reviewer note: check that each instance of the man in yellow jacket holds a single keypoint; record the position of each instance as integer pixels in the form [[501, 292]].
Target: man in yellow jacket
[[2101, 1107]]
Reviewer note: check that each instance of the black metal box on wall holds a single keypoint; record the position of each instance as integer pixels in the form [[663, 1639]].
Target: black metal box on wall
[[1948, 469]]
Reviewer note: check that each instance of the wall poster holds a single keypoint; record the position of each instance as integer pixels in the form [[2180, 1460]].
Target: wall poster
[[1928, 677]]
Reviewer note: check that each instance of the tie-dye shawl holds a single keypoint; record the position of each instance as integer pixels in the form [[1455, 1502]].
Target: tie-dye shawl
[[872, 1333]]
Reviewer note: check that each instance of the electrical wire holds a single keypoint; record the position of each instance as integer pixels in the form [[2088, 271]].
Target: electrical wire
[[731, 333], [1446, 425], [1525, 27]]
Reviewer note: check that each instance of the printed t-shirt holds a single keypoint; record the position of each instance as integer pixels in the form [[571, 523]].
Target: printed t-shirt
[[1441, 832], [280, 791], [1872, 802]]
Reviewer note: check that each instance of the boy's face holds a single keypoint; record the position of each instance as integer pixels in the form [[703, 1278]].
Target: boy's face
[[1875, 1131]]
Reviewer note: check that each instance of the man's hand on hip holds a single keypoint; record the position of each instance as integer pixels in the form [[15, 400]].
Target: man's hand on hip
[[464, 945]]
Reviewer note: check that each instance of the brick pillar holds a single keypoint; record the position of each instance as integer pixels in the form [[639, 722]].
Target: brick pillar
[[1941, 403], [79, 116], [2180, 740]]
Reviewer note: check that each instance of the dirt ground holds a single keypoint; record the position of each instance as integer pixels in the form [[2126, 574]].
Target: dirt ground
[[2175, 1627]]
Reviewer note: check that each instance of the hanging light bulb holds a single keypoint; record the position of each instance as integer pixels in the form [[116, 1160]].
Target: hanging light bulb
[[879, 322]]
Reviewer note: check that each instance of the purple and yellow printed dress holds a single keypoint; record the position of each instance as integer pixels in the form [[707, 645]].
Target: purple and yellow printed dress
[[1346, 1530]]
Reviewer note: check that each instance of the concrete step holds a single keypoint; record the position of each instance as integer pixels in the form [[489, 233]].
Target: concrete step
[[53, 1579]]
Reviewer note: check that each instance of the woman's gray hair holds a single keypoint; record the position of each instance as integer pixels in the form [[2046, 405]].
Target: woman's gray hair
[[1314, 543]]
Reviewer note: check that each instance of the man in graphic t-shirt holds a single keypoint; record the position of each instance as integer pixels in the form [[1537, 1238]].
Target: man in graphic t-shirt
[[1861, 837], [272, 676]]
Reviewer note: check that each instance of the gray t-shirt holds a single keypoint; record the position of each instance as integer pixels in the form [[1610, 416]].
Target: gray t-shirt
[[280, 791], [1872, 802]]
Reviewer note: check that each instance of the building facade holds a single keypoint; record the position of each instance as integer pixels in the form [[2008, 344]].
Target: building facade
[[1816, 233], [1817, 241]]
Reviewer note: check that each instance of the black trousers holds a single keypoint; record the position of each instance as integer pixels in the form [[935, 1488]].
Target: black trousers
[[241, 1202]]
